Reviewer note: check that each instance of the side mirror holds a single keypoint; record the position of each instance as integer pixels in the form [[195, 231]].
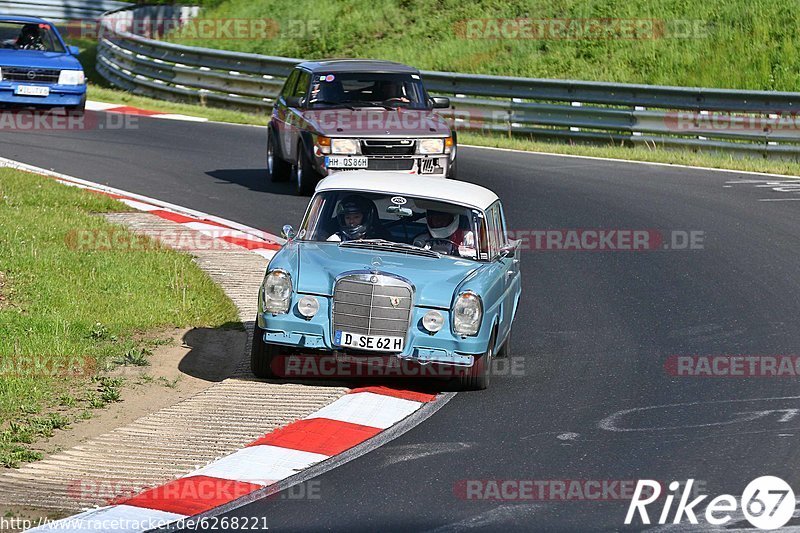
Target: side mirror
[[74, 50], [440, 102], [294, 101], [287, 232], [510, 249]]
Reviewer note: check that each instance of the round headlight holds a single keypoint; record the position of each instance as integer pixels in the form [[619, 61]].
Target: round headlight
[[467, 313], [308, 306], [431, 146], [277, 291], [433, 321], [344, 146]]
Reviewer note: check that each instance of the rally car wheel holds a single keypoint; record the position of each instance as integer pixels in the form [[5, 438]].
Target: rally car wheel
[[477, 376], [262, 354], [505, 350], [304, 176], [277, 168]]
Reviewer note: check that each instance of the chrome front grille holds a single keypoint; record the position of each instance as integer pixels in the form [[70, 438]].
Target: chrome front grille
[[372, 304]]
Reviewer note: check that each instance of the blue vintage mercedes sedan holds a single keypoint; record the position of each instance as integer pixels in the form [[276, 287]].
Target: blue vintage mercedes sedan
[[37, 68], [407, 267]]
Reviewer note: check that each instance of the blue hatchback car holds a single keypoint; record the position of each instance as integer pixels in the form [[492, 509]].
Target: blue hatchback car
[[410, 268], [37, 68]]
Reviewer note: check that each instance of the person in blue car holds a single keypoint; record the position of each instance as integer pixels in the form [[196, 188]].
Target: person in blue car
[[30, 38]]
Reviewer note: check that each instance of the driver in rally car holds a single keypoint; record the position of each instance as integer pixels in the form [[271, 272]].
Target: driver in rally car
[[30, 38], [445, 236], [358, 219]]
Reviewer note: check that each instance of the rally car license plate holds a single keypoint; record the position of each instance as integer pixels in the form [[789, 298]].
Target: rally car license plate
[[346, 162], [32, 90], [377, 343]]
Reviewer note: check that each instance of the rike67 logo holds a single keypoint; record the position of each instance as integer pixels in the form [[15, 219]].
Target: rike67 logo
[[767, 503]]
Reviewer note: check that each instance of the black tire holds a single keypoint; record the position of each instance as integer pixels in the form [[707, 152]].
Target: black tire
[[453, 172], [304, 176], [277, 168], [262, 355], [77, 110], [506, 349], [478, 376]]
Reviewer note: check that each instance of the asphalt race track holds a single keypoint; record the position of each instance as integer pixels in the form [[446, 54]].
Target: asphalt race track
[[590, 398]]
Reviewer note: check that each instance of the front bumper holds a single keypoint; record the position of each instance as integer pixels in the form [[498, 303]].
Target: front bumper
[[60, 95], [437, 165], [292, 330]]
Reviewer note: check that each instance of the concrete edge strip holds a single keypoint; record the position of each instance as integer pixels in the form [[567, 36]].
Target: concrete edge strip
[[255, 240], [262, 467]]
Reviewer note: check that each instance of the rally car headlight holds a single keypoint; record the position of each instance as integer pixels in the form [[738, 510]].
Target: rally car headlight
[[431, 146], [71, 77], [277, 292], [467, 313], [344, 146], [433, 321], [308, 306]]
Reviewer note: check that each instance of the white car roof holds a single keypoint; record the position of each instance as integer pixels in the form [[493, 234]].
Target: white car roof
[[402, 184]]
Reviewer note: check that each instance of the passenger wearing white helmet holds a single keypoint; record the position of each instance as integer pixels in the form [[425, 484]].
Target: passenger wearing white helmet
[[445, 235]]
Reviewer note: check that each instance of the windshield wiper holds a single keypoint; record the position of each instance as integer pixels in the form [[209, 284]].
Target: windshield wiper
[[390, 244]]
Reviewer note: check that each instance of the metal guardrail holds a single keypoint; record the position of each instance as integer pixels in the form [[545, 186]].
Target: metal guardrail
[[741, 122], [60, 10]]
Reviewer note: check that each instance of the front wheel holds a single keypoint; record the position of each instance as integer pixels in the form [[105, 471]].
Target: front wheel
[[277, 168], [305, 177], [478, 376], [262, 354]]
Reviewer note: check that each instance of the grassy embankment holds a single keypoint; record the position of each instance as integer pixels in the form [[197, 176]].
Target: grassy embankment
[[68, 315]]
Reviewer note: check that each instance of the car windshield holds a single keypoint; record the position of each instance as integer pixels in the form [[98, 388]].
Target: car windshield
[[28, 36], [367, 89], [404, 224]]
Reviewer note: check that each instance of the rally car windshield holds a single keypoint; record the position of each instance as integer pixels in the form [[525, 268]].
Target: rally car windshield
[[362, 89], [381, 220], [27, 36]]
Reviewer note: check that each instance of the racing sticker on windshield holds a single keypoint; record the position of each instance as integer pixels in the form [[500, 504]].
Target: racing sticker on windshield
[[398, 200], [329, 77]]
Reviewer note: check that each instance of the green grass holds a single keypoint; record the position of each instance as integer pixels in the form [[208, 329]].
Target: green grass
[[742, 44], [67, 309]]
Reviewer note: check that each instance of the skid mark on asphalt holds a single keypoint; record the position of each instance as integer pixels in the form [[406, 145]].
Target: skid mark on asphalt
[[412, 452], [615, 421], [492, 518]]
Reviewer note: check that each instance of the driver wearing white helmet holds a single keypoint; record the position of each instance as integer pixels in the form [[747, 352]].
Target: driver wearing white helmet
[[446, 236]]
